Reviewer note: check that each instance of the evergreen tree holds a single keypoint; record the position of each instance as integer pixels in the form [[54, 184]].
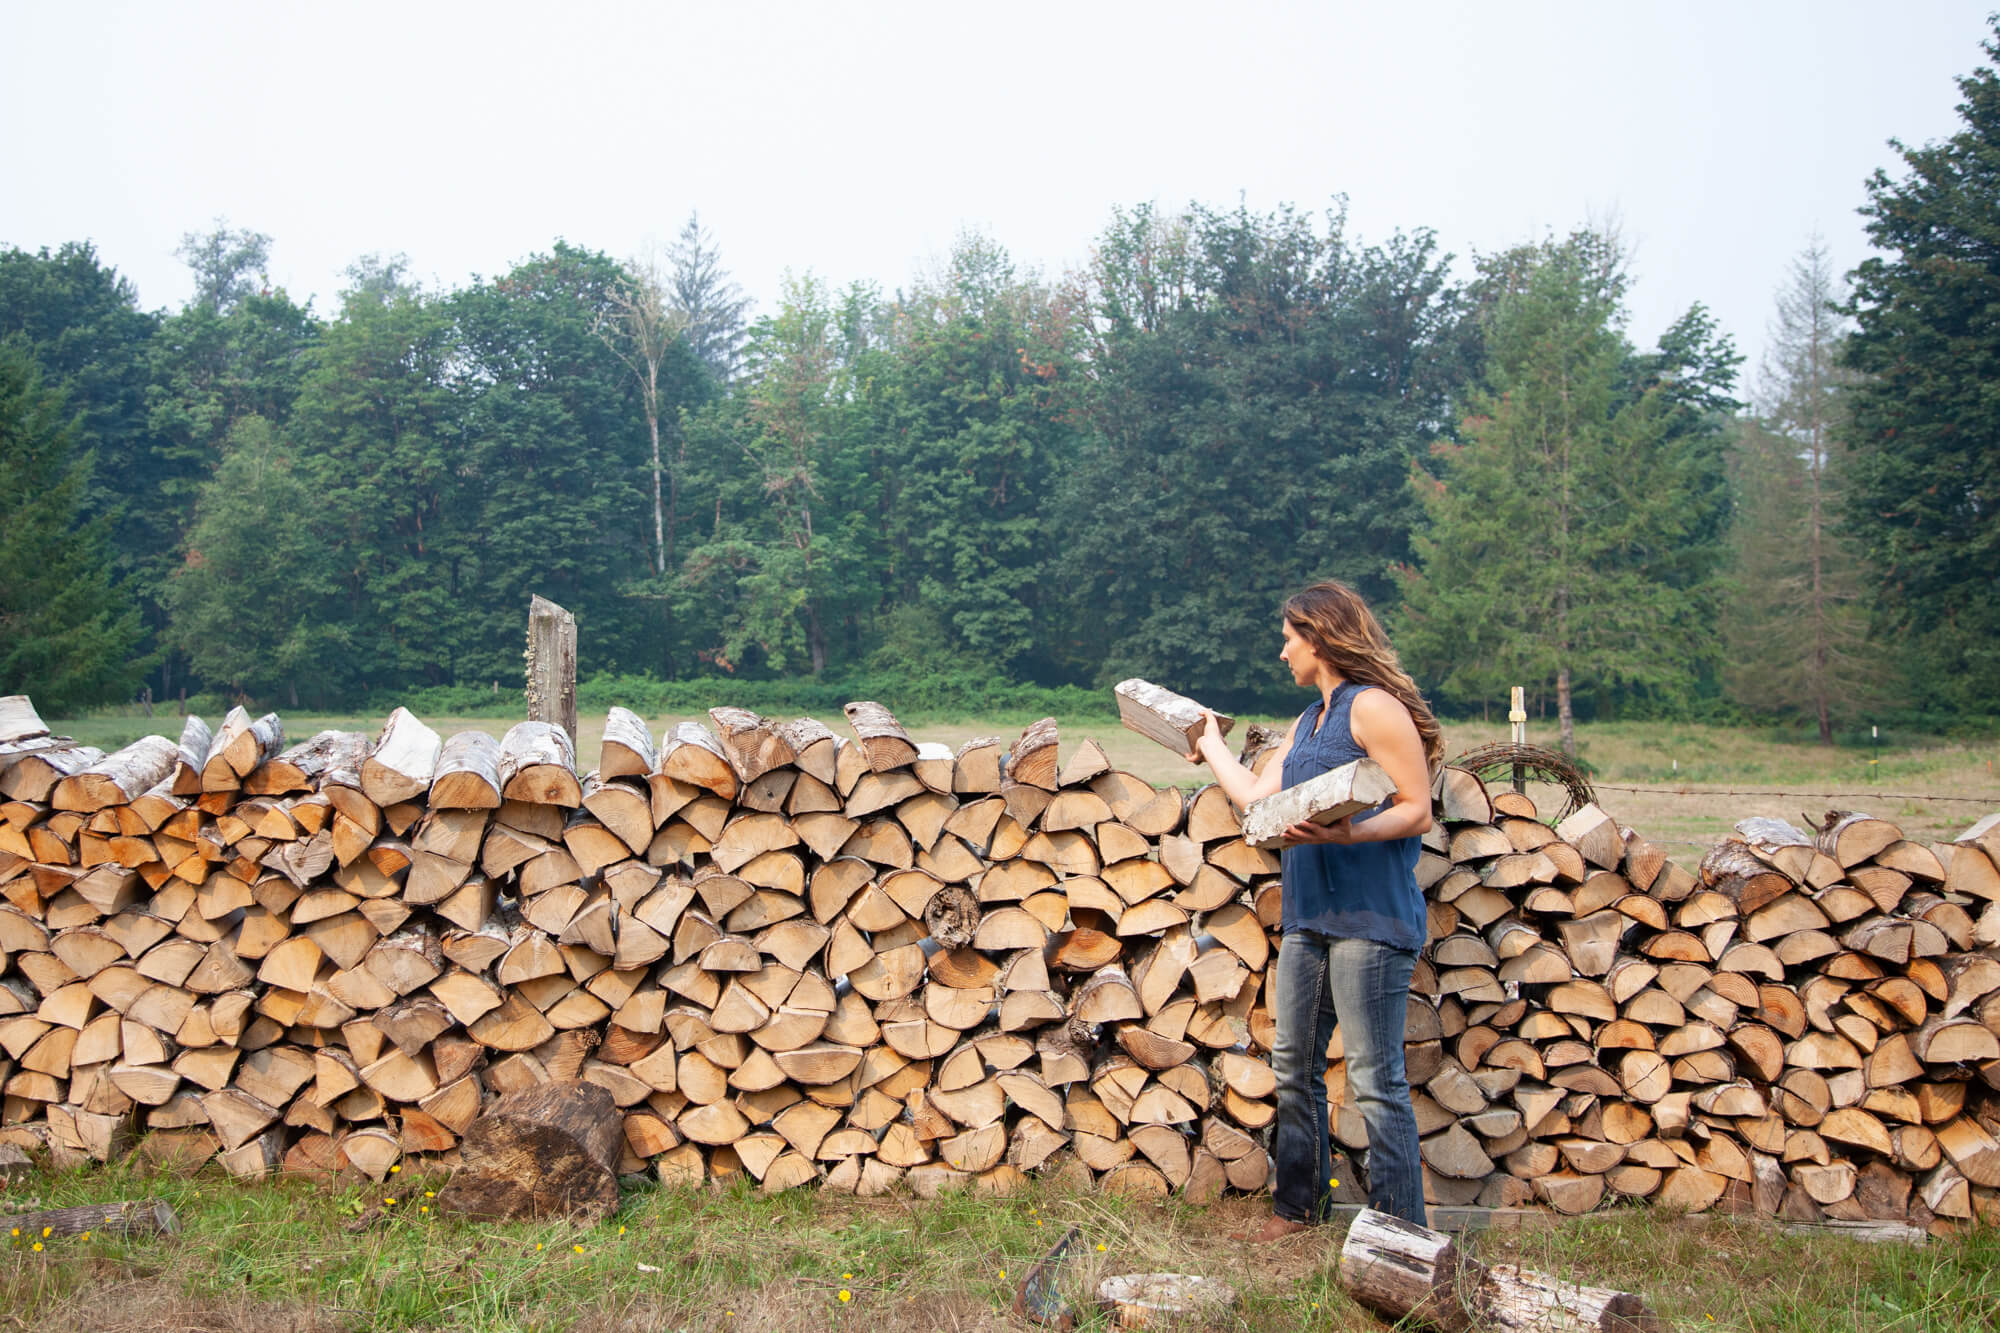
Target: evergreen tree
[[1797, 625], [68, 633], [1258, 392], [1554, 557], [1923, 473], [712, 308]]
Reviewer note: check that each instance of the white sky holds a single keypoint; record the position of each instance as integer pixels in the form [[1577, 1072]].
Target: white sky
[[857, 140]]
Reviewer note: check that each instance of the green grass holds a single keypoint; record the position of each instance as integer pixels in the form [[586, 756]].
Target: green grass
[[281, 1254]]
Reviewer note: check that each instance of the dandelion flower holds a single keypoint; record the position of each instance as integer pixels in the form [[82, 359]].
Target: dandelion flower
[[46, 1231], [84, 1236], [847, 1277], [1003, 1275], [1038, 1221], [845, 1295], [538, 1246], [424, 1208], [577, 1248], [621, 1231], [1100, 1247], [396, 1168], [38, 1247], [391, 1201], [430, 1194]]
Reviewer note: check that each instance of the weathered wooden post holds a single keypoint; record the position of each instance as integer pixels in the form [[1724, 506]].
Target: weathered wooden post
[[1517, 718], [551, 665]]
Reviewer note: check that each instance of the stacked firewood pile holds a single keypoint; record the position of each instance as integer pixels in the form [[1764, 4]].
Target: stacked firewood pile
[[866, 962]]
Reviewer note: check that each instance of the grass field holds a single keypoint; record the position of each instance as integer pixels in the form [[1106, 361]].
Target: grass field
[[293, 1255], [1683, 785]]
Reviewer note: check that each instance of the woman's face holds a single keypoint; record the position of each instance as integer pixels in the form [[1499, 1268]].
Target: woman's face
[[1298, 654]]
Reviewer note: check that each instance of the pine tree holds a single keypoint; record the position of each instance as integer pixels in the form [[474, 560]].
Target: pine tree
[[68, 633], [1797, 625], [1554, 556], [1923, 481]]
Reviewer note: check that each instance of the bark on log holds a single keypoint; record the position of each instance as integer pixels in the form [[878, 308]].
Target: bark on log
[[1326, 799], [403, 761], [1160, 715], [882, 738], [550, 1150], [1404, 1271], [551, 658], [132, 1217]]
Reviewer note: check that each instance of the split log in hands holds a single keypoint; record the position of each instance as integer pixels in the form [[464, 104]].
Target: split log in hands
[[1158, 714], [1326, 799]]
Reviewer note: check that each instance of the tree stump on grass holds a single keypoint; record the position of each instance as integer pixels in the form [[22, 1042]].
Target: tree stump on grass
[[546, 1151]]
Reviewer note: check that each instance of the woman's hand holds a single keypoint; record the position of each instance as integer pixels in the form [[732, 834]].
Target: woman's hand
[[1209, 727], [1340, 831]]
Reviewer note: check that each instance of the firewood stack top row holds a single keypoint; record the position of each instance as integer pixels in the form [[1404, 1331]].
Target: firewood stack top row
[[869, 962]]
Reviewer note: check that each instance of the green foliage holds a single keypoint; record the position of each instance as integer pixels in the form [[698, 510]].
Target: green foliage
[[1796, 624], [68, 632], [1924, 473], [1260, 389], [969, 428], [1563, 537], [256, 604]]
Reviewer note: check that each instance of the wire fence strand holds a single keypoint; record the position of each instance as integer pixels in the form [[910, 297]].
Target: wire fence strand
[[1684, 790]]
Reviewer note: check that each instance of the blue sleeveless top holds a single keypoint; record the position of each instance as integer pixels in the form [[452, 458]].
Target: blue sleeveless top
[[1364, 891]]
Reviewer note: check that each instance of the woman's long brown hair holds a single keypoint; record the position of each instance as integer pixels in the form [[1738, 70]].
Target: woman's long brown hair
[[1334, 619]]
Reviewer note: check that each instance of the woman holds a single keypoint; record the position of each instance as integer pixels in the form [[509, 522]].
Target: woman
[[1353, 921]]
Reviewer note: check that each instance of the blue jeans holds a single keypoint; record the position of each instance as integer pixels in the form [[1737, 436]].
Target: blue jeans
[[1362, 986]]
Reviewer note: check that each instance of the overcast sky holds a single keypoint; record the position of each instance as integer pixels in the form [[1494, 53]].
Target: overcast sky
[[856, 141]]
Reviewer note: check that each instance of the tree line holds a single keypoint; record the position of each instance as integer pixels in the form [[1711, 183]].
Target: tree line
[[992, 475]]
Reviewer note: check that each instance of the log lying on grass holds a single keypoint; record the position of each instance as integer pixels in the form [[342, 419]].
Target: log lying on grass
[[1406, 1272], [134, 1217]]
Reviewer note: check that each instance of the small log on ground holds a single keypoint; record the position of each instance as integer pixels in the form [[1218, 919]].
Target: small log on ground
[[550, 1150], [1158, 714], [132, 1217], [1513, 1298], [1401, 1270]]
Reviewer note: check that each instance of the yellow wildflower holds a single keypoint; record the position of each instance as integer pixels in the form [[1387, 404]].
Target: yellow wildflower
[[46, 1231], [391, 1201], [847, 1277], [845, 1295], [38, 1247], [1003, 1275], [1100, 1247], [396, 1168], [577, 1248]]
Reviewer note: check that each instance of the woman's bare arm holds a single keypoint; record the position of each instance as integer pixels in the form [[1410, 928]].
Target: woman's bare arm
[[1240, 784]]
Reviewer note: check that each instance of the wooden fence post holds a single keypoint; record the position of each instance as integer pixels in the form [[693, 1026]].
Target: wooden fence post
[[551, 665], [1517, 718]]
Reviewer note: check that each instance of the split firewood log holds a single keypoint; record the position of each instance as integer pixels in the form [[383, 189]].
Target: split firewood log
[[753, 744], [403, 761], [118, 779], [1325, 799], [884, 743], [1159, 714]]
